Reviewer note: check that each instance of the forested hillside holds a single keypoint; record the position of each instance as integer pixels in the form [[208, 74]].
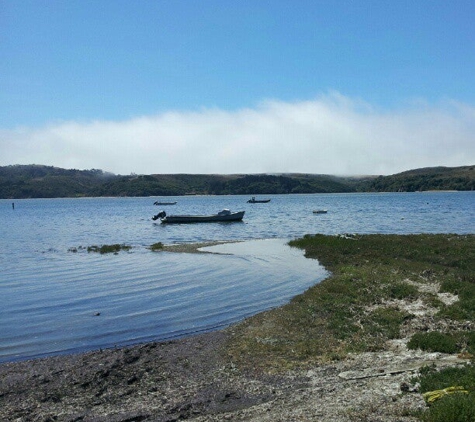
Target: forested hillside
[[432, 178], [37, 181]]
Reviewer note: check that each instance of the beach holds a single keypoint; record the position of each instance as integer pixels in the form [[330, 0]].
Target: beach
[[195, 379]]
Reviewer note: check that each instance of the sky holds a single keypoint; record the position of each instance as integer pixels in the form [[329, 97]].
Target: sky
[[237, 87]]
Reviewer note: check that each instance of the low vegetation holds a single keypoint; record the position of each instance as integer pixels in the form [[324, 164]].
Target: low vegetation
[[156, 246], [434, 342], [459, 406], [344, 313], [356, 308], [116, 248]]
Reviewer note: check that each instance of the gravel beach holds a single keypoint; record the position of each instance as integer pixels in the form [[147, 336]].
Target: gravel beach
[[193, 379]]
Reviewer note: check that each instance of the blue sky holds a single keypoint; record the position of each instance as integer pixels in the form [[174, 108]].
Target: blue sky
[[217, 86]]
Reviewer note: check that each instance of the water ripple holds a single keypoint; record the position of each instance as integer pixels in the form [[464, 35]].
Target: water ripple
[[54, 308], [55, 301]]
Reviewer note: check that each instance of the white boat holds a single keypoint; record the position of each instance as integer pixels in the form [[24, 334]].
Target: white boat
[[222, 216]]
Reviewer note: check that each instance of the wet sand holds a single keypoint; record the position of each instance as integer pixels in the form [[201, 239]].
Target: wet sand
[[194, 379], [154, 381]]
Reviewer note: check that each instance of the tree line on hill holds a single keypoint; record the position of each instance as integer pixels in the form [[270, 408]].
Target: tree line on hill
[[38, 181]]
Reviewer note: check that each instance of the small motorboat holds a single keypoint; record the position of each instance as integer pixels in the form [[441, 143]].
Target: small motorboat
[[320, 211], [164, 203], [222, 216], [253, 200]]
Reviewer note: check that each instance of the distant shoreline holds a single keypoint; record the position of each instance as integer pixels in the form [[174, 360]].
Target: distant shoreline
[[38, 181]]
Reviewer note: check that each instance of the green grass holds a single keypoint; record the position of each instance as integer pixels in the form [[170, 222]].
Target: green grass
[[433, 379], [156, 247], [454, 408], [347, 312], [457, 407], [433, 342], [464, 287], [116, 248], [402, 290], [385, 323]]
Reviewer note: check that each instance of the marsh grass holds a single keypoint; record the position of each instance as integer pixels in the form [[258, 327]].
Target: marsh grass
[[433, 379], [402, 290], [104, 249], [156, 247], [346, 312], [458, 407], [434, 342], [464, 287], [75, 250], [454, 408]]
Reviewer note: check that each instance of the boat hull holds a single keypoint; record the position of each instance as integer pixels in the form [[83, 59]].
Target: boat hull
[[164, 203], [185, 219]]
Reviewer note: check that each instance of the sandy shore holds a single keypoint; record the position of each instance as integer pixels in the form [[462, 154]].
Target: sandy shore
[[191, 247]]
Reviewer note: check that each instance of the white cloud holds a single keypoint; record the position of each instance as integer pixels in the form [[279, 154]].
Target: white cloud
[[332, 134]]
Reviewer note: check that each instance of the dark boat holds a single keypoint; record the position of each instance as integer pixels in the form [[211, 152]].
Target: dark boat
[[222, 216], [253, 200], [164, 203]]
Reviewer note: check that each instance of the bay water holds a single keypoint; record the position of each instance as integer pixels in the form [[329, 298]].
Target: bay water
[[55, 297]]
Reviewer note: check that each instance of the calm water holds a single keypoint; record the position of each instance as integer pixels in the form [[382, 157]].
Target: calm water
[[49, 296]]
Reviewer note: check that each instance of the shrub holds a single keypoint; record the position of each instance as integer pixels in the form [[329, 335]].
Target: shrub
[[453, 408], [402, 291], [470, 339], [458, 407], [156, 246], [108, 248], [432, 379], [433, 342]]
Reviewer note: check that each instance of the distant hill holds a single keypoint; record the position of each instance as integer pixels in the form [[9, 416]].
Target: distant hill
[[38, 181], [424, 179]]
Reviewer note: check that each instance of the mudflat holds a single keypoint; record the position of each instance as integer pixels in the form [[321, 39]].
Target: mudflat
[[155, 381], [194, 379]]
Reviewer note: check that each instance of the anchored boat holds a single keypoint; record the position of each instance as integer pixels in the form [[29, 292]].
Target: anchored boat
[[253, 200], [164, 203], [222, 216]]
